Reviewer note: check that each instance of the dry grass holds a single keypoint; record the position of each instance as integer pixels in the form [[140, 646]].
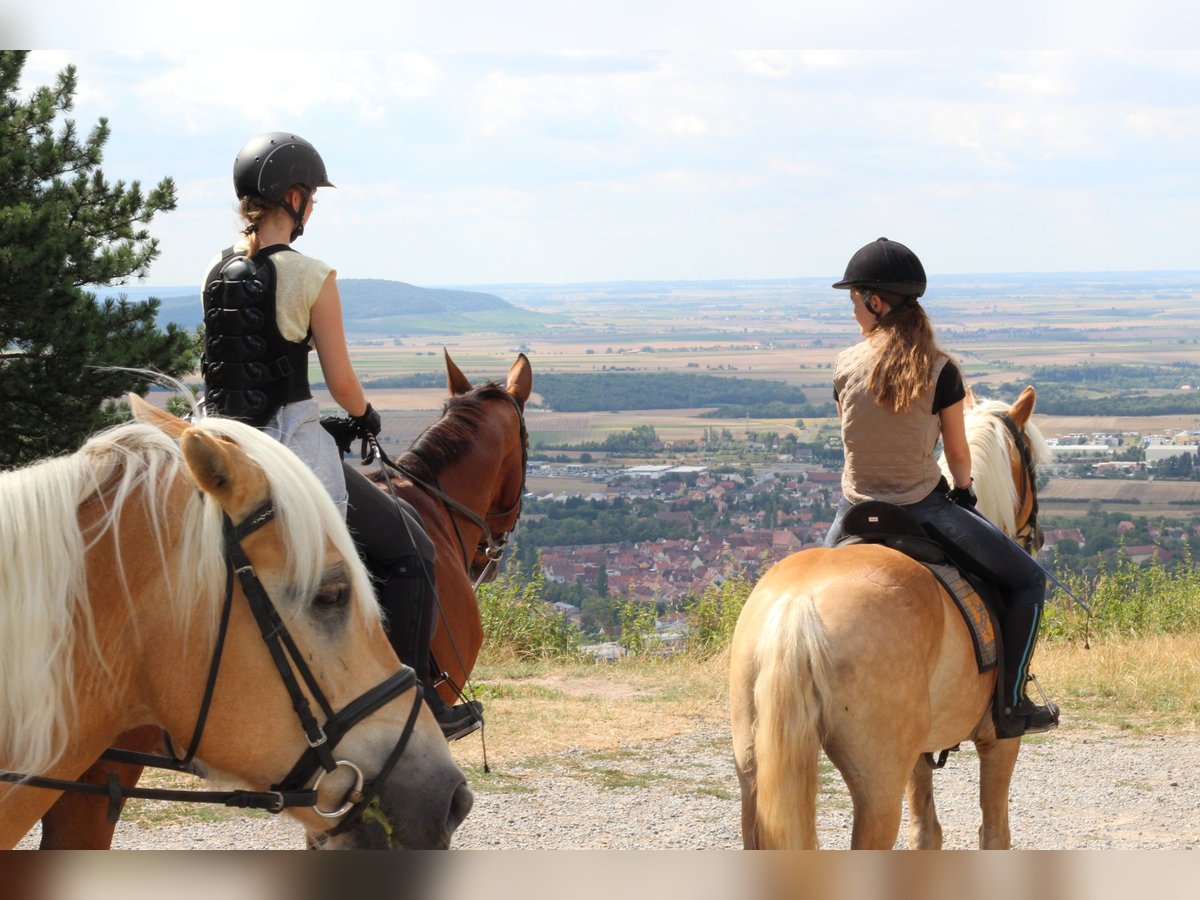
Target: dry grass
[[1149, 682], [540, 710]]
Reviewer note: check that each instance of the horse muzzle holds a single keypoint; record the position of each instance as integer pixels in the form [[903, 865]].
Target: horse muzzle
[[390, 823]]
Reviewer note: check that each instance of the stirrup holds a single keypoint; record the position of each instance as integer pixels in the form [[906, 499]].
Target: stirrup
[[1028, 717], [459, 721]]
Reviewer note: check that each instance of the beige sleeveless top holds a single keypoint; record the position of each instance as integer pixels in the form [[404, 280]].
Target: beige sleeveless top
[[889, 455]]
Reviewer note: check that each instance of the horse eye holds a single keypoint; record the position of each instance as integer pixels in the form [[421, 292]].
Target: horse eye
[[333, 597]]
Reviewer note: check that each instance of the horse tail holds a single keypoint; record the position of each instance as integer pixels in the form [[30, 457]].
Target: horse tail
[[789, 696]]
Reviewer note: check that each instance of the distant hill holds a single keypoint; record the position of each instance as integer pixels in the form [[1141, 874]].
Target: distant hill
[[380, 308]]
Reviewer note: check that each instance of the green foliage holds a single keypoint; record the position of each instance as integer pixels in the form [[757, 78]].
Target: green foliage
[[1097, 389], [578, 522], [518, 621], [1129, 600], [713, 615], [63, 228], [598, 391], [638, 634]]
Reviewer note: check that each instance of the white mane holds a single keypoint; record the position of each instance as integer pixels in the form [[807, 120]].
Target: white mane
[[133, 469], [990, 465]]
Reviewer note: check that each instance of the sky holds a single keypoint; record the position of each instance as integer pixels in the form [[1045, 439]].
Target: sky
[[481, 143]]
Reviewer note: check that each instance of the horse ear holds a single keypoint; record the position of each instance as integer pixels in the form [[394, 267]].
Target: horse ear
[[220, 469], [170, 425], [970, 398], [1020, 411], [456, 381], [520, 379]]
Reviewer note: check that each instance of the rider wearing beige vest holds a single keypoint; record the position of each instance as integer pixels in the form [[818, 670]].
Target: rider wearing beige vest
[[889, 454], [897, 394]]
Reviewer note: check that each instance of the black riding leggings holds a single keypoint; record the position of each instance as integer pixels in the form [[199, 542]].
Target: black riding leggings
[[400, 556]]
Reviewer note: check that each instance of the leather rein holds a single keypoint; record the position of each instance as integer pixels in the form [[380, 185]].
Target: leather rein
[[322, 739]]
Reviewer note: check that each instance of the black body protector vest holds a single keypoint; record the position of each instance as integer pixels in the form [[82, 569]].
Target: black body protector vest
[[249, 368]]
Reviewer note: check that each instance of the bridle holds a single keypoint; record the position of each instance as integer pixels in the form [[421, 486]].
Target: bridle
[[318, 760], [1029, 533], [492, 542]]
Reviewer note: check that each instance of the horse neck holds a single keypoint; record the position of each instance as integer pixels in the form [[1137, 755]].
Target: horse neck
[[477, 477]]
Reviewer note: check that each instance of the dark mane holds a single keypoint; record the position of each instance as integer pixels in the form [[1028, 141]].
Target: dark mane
[[452, 434]]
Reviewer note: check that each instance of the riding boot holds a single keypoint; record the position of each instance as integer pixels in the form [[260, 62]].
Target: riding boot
[[1018, 714], [408, 597]]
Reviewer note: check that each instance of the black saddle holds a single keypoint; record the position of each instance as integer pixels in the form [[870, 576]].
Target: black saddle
[[876, 522]]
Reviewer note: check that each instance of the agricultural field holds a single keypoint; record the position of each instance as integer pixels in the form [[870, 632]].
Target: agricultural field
[[999, 327]]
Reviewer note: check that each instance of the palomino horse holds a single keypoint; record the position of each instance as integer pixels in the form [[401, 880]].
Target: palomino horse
[[198, 578], [476, 452], [859, 650]]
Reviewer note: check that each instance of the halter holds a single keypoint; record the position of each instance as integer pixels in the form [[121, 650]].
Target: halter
[[1029, 534], [289, 662]]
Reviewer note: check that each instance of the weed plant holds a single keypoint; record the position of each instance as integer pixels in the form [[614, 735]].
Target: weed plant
[[1128, 600], [519, 624]]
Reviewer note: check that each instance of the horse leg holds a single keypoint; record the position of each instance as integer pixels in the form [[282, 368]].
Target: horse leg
[[80, 821], [997, 759], [924, 829], [749, 811], [876, 783]]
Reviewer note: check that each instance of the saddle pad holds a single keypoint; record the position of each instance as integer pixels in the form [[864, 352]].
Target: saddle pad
[[974, 610]]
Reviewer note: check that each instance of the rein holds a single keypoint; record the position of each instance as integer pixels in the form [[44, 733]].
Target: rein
[[289, 662], [493, 543]]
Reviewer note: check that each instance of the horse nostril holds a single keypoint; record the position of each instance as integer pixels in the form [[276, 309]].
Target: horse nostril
[[460, 804]]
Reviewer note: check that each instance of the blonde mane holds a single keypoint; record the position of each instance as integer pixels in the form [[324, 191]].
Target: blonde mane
[[990, 465], [133, 469]]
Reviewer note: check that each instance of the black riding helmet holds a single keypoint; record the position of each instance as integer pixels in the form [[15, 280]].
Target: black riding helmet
[[886, 266], [273, 163]]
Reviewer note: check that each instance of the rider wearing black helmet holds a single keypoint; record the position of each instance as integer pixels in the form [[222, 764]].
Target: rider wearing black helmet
[[265, 307], [897, 394]]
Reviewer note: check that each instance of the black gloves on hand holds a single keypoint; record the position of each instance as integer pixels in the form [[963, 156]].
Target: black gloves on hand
[[343, 431], [964, 497], [368, 424]]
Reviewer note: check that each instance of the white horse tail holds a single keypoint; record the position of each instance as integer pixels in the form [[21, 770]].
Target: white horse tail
[[789, 697]]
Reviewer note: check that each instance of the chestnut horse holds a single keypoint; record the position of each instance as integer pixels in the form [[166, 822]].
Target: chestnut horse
[[476, 452], [860, 651], [465, 476], [163, 558]]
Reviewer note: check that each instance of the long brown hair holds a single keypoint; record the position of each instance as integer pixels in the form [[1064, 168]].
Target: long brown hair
[[905, 352]]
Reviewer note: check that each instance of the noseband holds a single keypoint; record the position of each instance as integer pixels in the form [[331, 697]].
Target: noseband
[[1029, 534], [292, 790]]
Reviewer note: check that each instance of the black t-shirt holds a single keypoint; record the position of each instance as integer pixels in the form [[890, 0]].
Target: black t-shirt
[[948, 391]]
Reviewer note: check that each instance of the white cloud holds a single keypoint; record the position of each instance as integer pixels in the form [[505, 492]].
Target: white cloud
[[485, 167]]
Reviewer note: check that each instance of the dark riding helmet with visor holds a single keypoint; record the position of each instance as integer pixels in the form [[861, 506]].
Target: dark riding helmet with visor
[[273, 163], [885, 265]]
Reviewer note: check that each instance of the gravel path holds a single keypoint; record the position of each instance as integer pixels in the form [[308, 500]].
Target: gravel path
[[1080, 788]]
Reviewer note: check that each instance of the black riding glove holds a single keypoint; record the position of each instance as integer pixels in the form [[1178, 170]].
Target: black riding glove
[[342, 430], [964, 497], [368, 424]]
